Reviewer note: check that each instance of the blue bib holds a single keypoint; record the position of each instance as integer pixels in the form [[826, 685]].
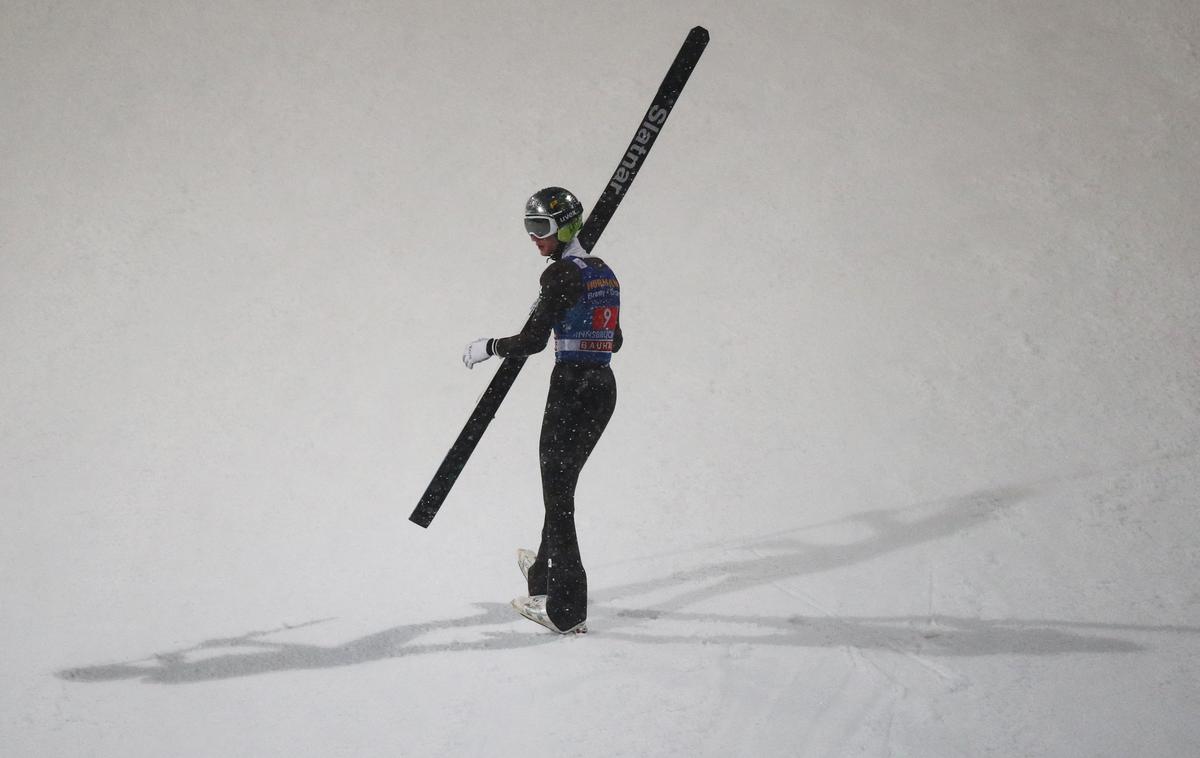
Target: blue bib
[[585, 332]]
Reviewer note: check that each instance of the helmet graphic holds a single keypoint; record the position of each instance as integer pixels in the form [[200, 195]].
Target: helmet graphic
[[556, 211]]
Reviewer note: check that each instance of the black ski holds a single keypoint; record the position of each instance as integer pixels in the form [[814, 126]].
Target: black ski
[[643, 139], [635, 155]]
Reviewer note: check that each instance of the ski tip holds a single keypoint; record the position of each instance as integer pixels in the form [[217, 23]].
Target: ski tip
[[698, 34]]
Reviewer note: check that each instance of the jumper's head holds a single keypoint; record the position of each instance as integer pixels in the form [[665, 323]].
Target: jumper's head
[[553, 216]]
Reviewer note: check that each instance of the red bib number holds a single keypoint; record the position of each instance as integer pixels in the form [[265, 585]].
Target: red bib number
[[604, 319]]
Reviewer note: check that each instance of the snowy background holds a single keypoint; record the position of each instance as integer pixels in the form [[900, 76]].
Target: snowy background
[[907, 451]]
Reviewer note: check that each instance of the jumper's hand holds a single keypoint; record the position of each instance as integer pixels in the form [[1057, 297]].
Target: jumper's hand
[[476, 352]]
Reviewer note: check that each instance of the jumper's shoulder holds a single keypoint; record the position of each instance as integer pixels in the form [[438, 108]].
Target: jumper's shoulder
[[560, 274], [598, 261]]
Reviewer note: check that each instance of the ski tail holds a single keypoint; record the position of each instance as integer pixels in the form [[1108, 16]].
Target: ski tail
[[468, 438]]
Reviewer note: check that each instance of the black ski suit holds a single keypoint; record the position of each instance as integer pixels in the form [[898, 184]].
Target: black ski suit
[[580, 402]]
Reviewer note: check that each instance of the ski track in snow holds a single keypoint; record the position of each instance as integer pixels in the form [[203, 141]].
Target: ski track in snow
[[955, 680]]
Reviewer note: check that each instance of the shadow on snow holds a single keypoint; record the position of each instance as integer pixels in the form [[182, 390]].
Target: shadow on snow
[[668, 621]]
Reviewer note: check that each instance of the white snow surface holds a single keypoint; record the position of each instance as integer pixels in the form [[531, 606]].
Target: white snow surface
[[905, 460]]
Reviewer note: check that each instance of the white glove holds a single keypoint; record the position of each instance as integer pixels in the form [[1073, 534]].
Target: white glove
[[476, 352]]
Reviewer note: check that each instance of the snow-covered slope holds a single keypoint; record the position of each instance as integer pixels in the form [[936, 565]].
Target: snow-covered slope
[[905, 456]]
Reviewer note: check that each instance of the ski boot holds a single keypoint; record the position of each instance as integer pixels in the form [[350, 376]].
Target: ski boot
[[534, 609], [525, 559]]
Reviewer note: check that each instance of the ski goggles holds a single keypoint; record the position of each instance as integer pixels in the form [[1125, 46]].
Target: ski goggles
[[541, 227]]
